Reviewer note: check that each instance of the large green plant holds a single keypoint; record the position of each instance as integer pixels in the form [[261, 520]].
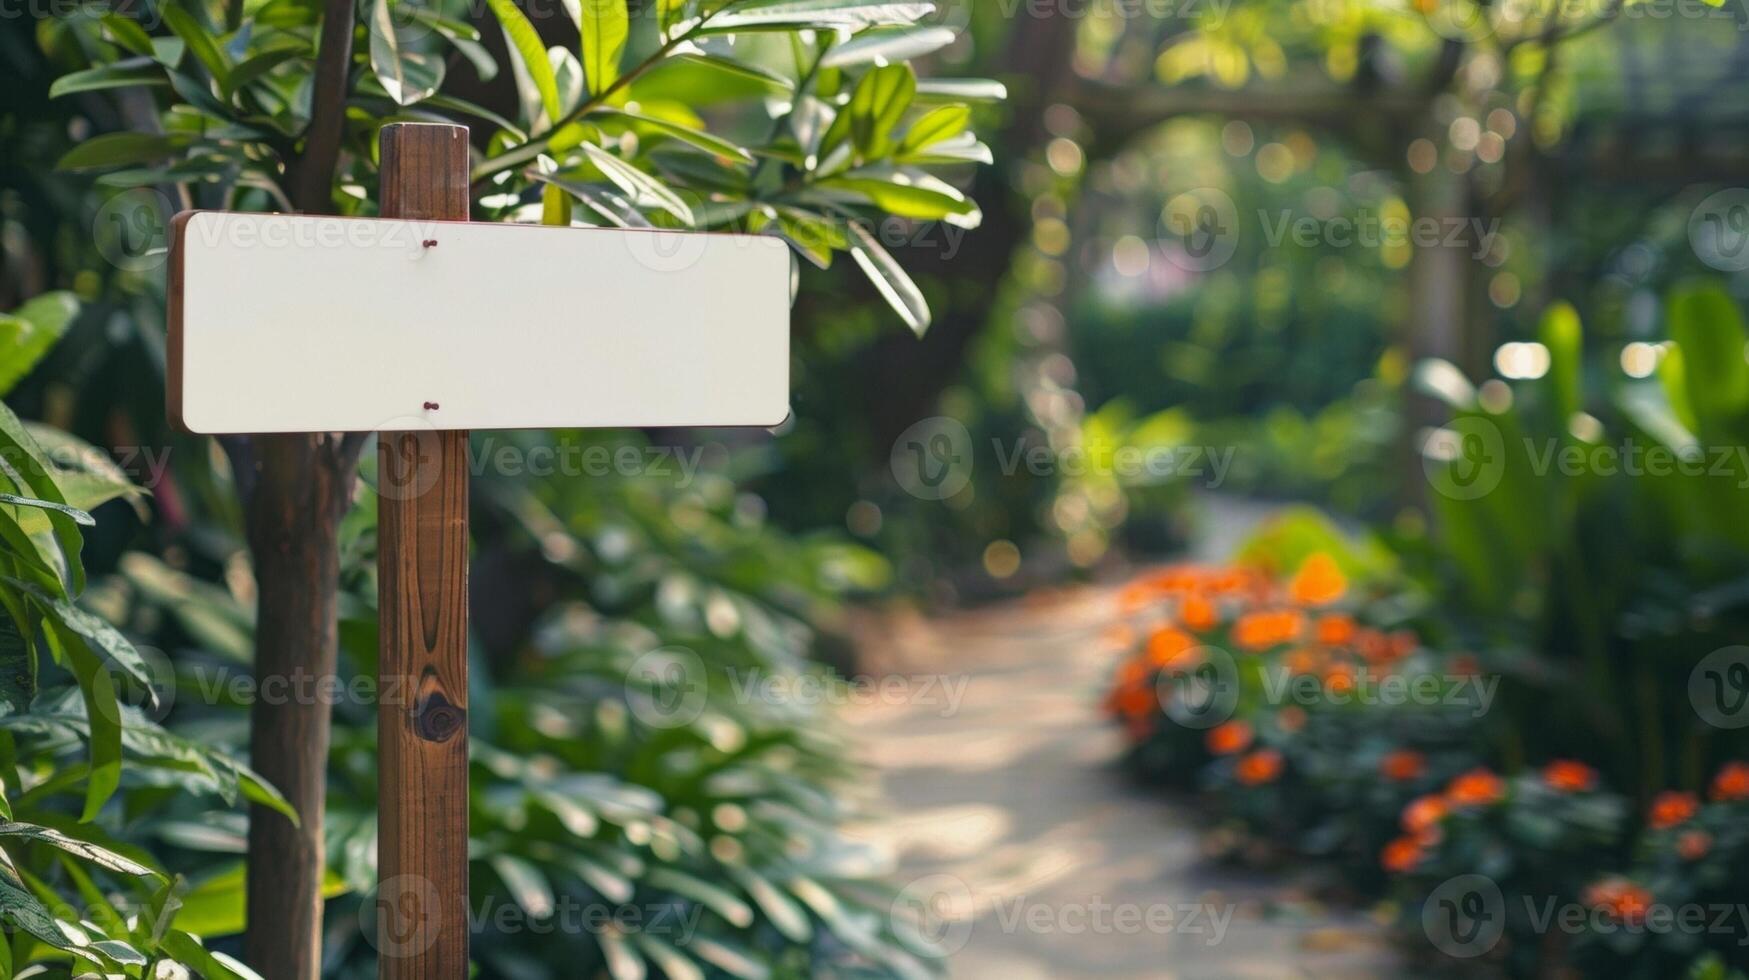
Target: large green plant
[[1592, 524], [75, 892]]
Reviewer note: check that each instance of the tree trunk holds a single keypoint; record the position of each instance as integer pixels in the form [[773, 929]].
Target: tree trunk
[[298, 492]]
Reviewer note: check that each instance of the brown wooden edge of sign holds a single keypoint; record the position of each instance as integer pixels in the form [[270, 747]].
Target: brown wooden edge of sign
[[173, 285]]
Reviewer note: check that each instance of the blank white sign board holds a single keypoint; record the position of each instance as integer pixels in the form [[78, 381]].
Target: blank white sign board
[[299, 323]]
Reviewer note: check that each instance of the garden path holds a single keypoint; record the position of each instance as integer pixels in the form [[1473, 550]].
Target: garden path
[[1002, 797]]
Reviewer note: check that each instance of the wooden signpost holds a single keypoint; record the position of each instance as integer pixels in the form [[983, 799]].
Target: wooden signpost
[[420, 325]]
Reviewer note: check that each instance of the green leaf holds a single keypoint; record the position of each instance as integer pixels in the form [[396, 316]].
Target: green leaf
[[604, 27], [780, 909], [877, 105], [531, 55], [94, 634], [555, 206], [960, 90], [527, 885], [1705, 324], [702, 79], [693, 137], [211, 966], [888, 46], [23, 910], [30, 331], [257, 66], [73, 512], [854, 14], [889, 279], [938, 124], [918, 201], [199, 41], [122, 74], [404, 75], [118, 149], [89, 852], [641, 187], [25, 464], [103, 715], [128, 34], [1562, 335], [17, 668]]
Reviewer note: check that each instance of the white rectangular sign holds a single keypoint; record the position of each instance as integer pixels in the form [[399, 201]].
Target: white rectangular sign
[[303, 323]]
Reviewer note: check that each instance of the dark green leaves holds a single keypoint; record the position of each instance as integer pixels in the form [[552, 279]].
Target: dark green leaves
[[118, 149]]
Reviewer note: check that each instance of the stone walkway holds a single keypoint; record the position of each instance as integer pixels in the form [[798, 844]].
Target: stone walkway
[[1004, 805]]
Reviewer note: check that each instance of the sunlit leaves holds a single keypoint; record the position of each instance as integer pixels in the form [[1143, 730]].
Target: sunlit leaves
[[407, 76], [887, 46], [639, 186], [604, 27], [530, 62], [936, 125], [28, 333], [876, 106], [889, 279]]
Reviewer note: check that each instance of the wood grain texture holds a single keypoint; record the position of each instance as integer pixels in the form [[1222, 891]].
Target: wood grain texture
[[422, 589]]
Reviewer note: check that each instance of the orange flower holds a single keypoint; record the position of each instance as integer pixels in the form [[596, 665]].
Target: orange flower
[[1228, 738], [1335, 629], [1259, 630], [1373, 646], [1166, 646], [1261, 766], [1134, 702], [1403, 765], [1305, 660], [1401, 855], [1620, 899], [1478, 787], [1732, 782], [1197, 612], [1569, 776], [1423, 814], [1319, 581], [1291, 718], [1670, 808], [1403, 643], [1135, 596], [1694, 844], [1131, 672]]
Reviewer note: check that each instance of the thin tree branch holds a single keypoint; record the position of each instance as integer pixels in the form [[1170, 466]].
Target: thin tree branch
[[312, 178]]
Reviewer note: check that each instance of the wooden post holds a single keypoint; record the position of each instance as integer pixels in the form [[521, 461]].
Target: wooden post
[[422, 594]]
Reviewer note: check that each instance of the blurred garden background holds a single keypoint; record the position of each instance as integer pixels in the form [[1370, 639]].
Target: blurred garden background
[[1265, 496]]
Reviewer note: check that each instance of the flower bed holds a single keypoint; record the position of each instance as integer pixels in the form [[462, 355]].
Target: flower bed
[[1317, 727]]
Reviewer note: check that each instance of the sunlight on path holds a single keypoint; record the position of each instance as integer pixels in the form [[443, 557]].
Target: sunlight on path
[[999, 780]]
